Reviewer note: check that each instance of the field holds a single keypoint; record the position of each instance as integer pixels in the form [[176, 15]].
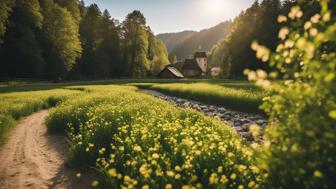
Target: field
[[29, 97], [15, 105], [241, 96], [132, 140]]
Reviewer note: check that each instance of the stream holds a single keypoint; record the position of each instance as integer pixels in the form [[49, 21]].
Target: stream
[[238, 120]]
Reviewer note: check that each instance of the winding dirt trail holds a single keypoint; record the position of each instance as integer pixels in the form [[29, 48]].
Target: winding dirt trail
[[32, 158]]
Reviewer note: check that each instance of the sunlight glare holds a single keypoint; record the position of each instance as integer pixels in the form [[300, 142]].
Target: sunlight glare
[[214, 6]]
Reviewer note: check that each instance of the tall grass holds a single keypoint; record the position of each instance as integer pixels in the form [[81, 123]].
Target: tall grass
[[237, 96], [13, 106], [136, 141]]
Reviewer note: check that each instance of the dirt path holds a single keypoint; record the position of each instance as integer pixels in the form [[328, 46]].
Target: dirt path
[[31, 158]]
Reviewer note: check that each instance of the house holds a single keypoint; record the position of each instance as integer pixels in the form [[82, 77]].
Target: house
[[170, 72], [196, 67]]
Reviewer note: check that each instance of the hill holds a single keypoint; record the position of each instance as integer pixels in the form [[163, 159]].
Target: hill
[[206, 38], [173, 39]]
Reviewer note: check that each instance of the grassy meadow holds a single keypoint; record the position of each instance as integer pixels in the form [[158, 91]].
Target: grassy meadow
[[241, 96], [136, 143], [132, 140], [15, 105], [135, 140]]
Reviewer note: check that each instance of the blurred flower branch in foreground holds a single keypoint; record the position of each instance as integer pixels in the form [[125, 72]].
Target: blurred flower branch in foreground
[[301, 137]]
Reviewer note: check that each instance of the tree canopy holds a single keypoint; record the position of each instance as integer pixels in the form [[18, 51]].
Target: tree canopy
[[54, 39]]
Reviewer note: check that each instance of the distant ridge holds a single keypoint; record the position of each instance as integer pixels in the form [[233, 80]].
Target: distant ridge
[[184, 44], [173, 39]]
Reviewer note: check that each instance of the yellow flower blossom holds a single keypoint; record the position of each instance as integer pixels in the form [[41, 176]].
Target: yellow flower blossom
[[112, 172], [282, 18], [169, 186], [95, 184], [318, 174]]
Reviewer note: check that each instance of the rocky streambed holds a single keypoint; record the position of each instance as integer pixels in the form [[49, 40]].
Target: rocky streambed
[[238, 120]]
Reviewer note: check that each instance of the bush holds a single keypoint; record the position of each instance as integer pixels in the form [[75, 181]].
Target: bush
[[300, 141]]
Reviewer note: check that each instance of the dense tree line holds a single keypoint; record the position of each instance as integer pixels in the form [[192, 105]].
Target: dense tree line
[[65, 39], [233, 54], [259, 22]]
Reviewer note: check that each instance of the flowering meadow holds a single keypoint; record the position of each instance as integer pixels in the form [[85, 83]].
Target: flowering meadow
[[137, 141]]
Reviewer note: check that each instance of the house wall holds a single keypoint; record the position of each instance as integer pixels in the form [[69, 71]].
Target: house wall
[[192, 73], [203, 63]]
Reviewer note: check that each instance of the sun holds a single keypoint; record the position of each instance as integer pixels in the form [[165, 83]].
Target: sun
[[213, 6]]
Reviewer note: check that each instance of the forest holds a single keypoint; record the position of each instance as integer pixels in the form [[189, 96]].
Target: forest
[[258, 23], [64, 39]]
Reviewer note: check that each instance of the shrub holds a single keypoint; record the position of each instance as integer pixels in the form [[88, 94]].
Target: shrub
[[300, 141]]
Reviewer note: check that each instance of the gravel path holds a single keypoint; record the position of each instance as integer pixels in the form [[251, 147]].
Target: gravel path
[[31, 158], [239, 120]]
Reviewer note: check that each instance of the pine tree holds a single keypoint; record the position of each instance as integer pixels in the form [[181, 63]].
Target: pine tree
[[135, 44], [107, 56], [73, 6], [90, 39]]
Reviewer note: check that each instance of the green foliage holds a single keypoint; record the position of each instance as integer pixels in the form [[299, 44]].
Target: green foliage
[[135, 143], [90, 38], [19, 104], [230, 97], [233, 53], [144, 54], [301, 139], [157, 55], [62, 38], [108, 54], [72, 6], [22, 54], [135, 44], [58, 39], [6, 8], [6, 122]]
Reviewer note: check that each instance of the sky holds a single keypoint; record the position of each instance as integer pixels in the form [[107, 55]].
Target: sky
[[165, 16]]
